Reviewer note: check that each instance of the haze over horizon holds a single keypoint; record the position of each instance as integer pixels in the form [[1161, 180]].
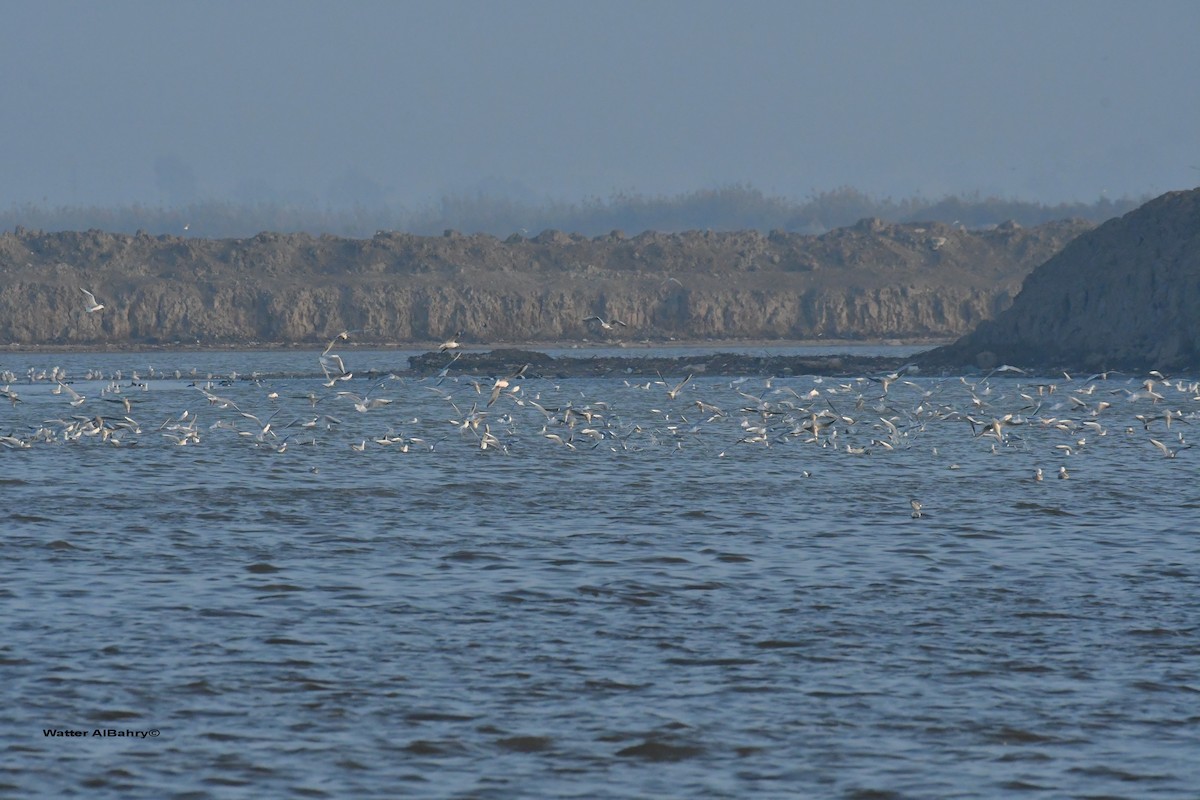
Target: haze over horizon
[[378, 103]]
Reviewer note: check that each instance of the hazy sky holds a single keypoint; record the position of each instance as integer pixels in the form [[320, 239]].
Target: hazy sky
[[402, 102]]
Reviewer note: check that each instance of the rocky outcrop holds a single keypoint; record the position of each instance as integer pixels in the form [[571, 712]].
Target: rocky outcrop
[[1123, 296], [871, 280], [532, 363]]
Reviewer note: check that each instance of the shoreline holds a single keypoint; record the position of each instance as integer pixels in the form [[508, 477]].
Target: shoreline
[[648, 360], [583, 347], [535, 363]]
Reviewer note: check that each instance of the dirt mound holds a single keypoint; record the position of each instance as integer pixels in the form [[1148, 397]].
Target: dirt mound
[[872, 280], [1123, 296]]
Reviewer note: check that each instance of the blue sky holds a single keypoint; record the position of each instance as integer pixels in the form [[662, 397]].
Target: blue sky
[[332, 104]]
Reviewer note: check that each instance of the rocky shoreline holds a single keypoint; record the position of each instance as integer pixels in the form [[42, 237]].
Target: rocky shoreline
[[1122, 295], [537, 364]]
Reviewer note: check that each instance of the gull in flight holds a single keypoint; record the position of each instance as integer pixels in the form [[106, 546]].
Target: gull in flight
[[331, 361], [335, 340], [451, 344], [76, 398], [362, 404], [1166, 451], [608, 326], [93, 306], [503, 383], [673, 393]]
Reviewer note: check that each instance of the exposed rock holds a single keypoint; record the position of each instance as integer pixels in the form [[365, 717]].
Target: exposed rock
[[872, 280], [1123, 296], [535, 364]]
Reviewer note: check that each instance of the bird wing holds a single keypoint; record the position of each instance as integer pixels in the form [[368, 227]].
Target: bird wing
[[335, 340]]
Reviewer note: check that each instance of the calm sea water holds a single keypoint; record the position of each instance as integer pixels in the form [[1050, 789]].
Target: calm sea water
[[591, 588]]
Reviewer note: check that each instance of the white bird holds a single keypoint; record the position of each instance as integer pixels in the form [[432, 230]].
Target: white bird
[[500, 385], [330, 362], [76, 398], [264, 427], [335, 340], [608, 326], [673, 393], [1166, 451], [93, 306], [362, 404], [451, 344]]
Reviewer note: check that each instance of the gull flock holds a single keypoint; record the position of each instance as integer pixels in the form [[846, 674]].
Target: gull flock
[[1055, 423], [1051, 423]]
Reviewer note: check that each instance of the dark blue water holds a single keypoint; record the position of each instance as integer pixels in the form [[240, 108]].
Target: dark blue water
[[622, 594]]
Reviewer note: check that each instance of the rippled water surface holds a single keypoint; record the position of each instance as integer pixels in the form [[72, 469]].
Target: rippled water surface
[[593, 588]]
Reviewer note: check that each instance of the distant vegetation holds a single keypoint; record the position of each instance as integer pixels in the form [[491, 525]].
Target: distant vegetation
[[729, 208]]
